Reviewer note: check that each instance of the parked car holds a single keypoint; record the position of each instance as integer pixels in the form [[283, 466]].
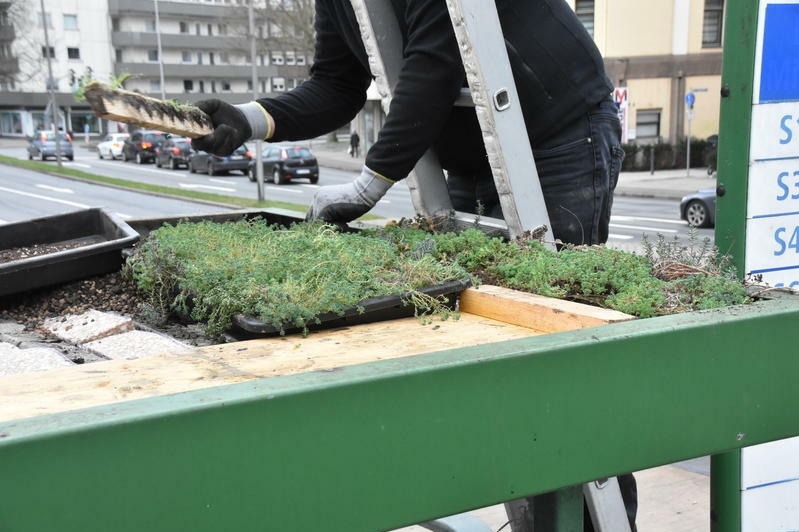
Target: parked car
[[699, 208], [239, 160], [111, 146], [287, 163], [141, 145], [173, 153], [42, 145]]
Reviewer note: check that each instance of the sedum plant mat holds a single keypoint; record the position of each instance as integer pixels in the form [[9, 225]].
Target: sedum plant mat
[[289, 276]]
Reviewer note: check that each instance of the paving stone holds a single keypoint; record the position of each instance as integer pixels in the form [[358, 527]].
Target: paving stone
[[16, 361], [136, 344], [87, 327], [11, 327]]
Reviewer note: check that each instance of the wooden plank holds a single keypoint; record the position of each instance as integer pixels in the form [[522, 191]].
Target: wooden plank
[[134, 108], [103, 383], [543, 314]]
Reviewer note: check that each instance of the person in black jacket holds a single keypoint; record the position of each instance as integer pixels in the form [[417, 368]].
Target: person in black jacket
[[571, 121]]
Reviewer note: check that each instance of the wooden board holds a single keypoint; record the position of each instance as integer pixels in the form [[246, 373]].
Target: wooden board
[[488, 314], [103, 383], [543, 314], [134, 108]]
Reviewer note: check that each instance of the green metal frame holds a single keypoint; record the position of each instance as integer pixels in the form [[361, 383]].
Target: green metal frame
[[385, 444], [740, 38]]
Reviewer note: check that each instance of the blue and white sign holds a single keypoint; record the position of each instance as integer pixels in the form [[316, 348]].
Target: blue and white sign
[[770, 472], [690, 99]]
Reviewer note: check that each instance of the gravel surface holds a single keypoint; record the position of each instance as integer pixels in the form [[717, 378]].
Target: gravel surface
[[111, 293]]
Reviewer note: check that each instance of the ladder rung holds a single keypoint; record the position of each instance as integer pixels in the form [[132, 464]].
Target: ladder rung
[[464, 98]]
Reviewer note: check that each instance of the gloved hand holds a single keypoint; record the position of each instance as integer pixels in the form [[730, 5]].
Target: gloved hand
[[233, 124], [345, 203]]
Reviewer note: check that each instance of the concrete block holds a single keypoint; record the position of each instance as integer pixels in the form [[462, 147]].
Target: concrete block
[[16, 361], [136, 344], [87, 327]]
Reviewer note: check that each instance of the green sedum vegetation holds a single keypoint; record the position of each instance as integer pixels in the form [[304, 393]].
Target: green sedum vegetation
[[289, 276]]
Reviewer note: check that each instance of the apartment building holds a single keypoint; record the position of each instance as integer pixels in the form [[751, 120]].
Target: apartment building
[[182, 49], [656, 53]]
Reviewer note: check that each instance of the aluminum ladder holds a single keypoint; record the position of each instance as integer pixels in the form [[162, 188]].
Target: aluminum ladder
[[492, 92]]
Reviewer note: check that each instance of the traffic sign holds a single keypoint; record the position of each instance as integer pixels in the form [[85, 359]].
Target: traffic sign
[[690, 98]]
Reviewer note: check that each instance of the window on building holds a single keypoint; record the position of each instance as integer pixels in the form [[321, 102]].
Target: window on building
[[301, 59], [290, 58], [278, 84], [197, 29], [155, 85], [45, 17], [149, 25], [277, 58], [647, 125], [199, 58], [188, 85], [224, 57], [222, 29], [70, 22], [264, 86], [712, 25], [585, 12], [5, 50], [210, 30], [118, 55], [152, 55], [114, 24], [73, 53], [225, 85], [249, 85], [185, 56], [184, 27], [213, 86], [211, 60], [4, 16], [51, 51]]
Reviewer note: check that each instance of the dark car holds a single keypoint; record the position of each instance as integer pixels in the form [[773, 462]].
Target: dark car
[[173, 153], [42, 145], [699, 208], [287, 163], [239, 160], [141, 145]]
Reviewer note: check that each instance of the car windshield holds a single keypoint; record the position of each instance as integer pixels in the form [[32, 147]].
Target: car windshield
[[153, 137], [298, 153]]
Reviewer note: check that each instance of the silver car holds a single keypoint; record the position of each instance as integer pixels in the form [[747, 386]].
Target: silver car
[[43, 145]]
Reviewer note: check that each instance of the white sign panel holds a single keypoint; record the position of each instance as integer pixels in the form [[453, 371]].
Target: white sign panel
[[770, 472]]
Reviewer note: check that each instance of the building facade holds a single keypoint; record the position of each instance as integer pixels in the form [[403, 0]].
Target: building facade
[[179, 49], [660, 54]]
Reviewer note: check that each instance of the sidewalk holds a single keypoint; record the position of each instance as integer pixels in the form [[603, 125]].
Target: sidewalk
[[663, 184]]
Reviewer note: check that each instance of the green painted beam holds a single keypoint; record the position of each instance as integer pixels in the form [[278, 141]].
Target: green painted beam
[[385, 444], [735, 123]]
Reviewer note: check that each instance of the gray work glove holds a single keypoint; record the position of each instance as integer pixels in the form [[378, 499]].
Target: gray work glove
[[233, 125], [345, 203]]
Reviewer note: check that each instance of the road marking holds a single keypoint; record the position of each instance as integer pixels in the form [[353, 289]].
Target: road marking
[[620, 237], [46, 198], [78, 165], [283, 189], [641, 228], [208, 187], [56, 189], [622, 218], [136, 167], [306, 185], [223, 181]]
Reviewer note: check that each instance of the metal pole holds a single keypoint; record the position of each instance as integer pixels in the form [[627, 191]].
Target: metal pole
[[259, 167], [50, 88], [688, 145], [160, 54]]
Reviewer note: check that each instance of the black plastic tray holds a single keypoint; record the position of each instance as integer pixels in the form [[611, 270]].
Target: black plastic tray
[[99, 237], [367, 311]]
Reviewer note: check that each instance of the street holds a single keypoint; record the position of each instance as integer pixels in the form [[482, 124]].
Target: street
[[27, 194]]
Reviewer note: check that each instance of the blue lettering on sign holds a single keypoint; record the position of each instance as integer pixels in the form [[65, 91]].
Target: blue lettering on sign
[[785, 241], [779, 69]]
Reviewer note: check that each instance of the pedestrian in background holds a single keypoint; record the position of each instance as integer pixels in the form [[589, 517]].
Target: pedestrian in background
[[355, 144]]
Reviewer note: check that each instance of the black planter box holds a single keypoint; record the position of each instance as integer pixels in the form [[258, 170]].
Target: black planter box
[[93, 240], [367, 311]]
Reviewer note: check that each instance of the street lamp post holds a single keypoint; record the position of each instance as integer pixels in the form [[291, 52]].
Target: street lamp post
[[50, 88], [259, 167], [160, 54]]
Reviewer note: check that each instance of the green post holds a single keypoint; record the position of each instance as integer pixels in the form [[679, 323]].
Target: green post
[[740, 34]]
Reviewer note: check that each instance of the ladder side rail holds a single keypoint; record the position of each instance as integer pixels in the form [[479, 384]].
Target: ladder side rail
[[496, 101], [381, 37]]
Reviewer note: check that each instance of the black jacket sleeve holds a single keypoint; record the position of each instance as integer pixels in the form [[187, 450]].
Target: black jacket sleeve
[[335, 91], [428, 84]]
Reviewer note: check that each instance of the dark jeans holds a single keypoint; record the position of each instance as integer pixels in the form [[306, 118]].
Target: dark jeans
[[578, 169]]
